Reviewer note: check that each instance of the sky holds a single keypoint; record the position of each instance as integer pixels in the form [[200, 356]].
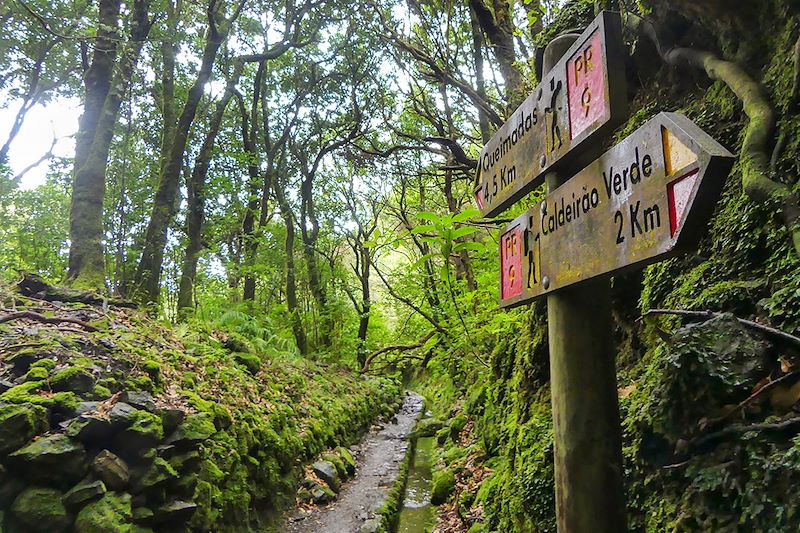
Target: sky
[[58, 118]]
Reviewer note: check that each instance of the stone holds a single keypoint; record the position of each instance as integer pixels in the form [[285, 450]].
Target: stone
[[110, 513], [19, 424], [83, 493], [10, 487], [196, 428], [372, 525], [427, 427], [143, 515], [347, 459], [157, 475], [145, 432], [86, 407], [89, 429], [122, 414], [72, 379], [111, 469], [321, 495], [444, 482], [171, 419], [174, 512], [50, 458], [185, 461], [40, 510], [140, 400], [326, 471], [304, 495], [36, 373], [5, 385]]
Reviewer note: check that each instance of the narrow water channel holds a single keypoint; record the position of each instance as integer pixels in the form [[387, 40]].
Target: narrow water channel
[[417, 514]]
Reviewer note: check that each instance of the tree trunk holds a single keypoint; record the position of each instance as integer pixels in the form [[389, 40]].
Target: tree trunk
[[477, 57], [291, 283], [86, 261], [253, 187], [310, 235], [148, 273], [366, 305], [196, 200]]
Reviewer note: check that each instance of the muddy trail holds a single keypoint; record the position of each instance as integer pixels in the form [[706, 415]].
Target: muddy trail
[[379, 457]]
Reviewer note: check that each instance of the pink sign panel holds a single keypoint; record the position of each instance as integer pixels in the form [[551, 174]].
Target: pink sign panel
[[679, 193], [586, 87], [511, 263]]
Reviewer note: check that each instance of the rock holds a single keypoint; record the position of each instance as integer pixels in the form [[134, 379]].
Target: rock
[[86, 407], [185, 461], [23, 359], [110, 513], [347, 459], [140, 400], [372, 525], [5, 385], [145, 432], [10, 487], [83, 493], [40, 510], [171, 419], [427, 427], [326, 471], [89, 429], [174, 512], [196, 428], [321, 495], [157, 475], [73, 379], [19, 424], [36, 373], [444, 481], [52, 457], [111, 469], [334, 459], [121, 415], [143, 515]]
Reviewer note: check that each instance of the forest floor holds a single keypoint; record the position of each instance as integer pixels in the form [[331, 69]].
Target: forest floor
[[379, 457]]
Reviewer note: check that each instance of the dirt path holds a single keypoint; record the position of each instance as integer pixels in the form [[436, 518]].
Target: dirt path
[[379, 456]]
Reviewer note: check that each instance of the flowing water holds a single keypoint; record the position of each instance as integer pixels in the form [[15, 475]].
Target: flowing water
[[418, 515]]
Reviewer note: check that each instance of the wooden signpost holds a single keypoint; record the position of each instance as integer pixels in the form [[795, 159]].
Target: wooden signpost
[[578, 102], [647, 198]]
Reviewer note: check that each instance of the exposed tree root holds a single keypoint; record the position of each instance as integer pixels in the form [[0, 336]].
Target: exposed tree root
[[754, 157], [30, 315]]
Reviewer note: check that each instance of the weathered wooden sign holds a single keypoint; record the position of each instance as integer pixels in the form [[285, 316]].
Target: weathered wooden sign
[[580, 99], [645, 199]]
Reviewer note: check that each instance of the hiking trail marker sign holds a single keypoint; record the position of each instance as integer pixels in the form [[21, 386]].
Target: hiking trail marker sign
[[645, 199], [579, 101]]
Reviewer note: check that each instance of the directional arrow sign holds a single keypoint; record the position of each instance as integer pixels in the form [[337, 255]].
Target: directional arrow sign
[[647, 198], [581, 99]]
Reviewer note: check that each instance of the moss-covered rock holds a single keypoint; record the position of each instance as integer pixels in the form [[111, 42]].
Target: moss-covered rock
[[36, 374], [74, 379], [347, 459], [145, 431], [427, 427], [196, 428], [328, 473], [111, 469], [83, 493], [250, 361], [110, 513], [55, 458], [40, 510], [160, 473], [19, 424], [444, 482]]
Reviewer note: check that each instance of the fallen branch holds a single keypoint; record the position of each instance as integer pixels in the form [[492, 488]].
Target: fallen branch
[[776, 333], [792, 424], [757, 394], [47, 320], [397, 347]]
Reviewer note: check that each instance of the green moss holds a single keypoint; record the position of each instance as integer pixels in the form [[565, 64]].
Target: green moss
[[41, 510], [100, 392], [147, 424], [19, 423], [37, 374], [251, 361], [26, 393], [47, 364], [63, 378], [442, 486], [110, 513]]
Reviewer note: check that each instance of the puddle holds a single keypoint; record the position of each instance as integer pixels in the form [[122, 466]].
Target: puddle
[[417, 514]]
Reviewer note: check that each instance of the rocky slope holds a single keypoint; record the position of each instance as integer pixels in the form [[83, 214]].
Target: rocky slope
[[112, 422]]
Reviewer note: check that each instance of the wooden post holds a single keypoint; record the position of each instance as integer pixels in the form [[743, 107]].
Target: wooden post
[[588, 444]]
